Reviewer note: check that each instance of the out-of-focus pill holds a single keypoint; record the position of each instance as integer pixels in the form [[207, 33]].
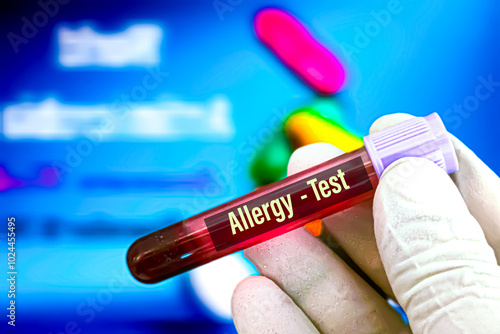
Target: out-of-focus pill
[[271, 160], [288, 39], [306, 126]]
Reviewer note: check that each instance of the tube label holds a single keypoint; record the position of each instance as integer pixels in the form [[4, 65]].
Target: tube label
[[289, 203]]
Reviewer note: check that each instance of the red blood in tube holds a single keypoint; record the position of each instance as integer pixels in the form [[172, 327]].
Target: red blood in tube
[[299, 51], [212, 234]]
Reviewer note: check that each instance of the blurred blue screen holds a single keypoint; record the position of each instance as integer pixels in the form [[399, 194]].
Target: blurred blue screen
[[119, 118]]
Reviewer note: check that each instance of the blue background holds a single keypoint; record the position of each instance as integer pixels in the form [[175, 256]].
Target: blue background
[[72, 238]]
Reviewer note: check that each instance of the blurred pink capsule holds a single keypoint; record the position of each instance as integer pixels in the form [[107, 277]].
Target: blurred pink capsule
[[288, 39]]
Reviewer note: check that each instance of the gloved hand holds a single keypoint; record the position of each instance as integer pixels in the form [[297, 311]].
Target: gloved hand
[[427, 239]]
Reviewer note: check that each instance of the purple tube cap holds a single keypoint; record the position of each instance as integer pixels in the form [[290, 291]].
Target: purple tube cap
[[424, 137]]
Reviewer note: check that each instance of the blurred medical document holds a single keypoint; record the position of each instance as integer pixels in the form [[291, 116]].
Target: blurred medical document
[[138, 45], [171, 120]]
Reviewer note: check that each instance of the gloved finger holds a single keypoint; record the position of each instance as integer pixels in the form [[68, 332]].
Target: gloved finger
[[480, 188], [260, 306], [352, 229], [323, 286], [475, 181], [329, 292], [442, 270]]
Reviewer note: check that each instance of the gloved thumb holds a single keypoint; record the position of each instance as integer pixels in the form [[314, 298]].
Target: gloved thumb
[[441, 269]]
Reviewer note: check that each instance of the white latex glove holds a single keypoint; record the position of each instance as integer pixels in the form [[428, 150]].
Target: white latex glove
[[430, 233]]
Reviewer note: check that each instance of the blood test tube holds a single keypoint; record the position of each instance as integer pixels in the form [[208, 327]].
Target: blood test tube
[[290, 203]]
